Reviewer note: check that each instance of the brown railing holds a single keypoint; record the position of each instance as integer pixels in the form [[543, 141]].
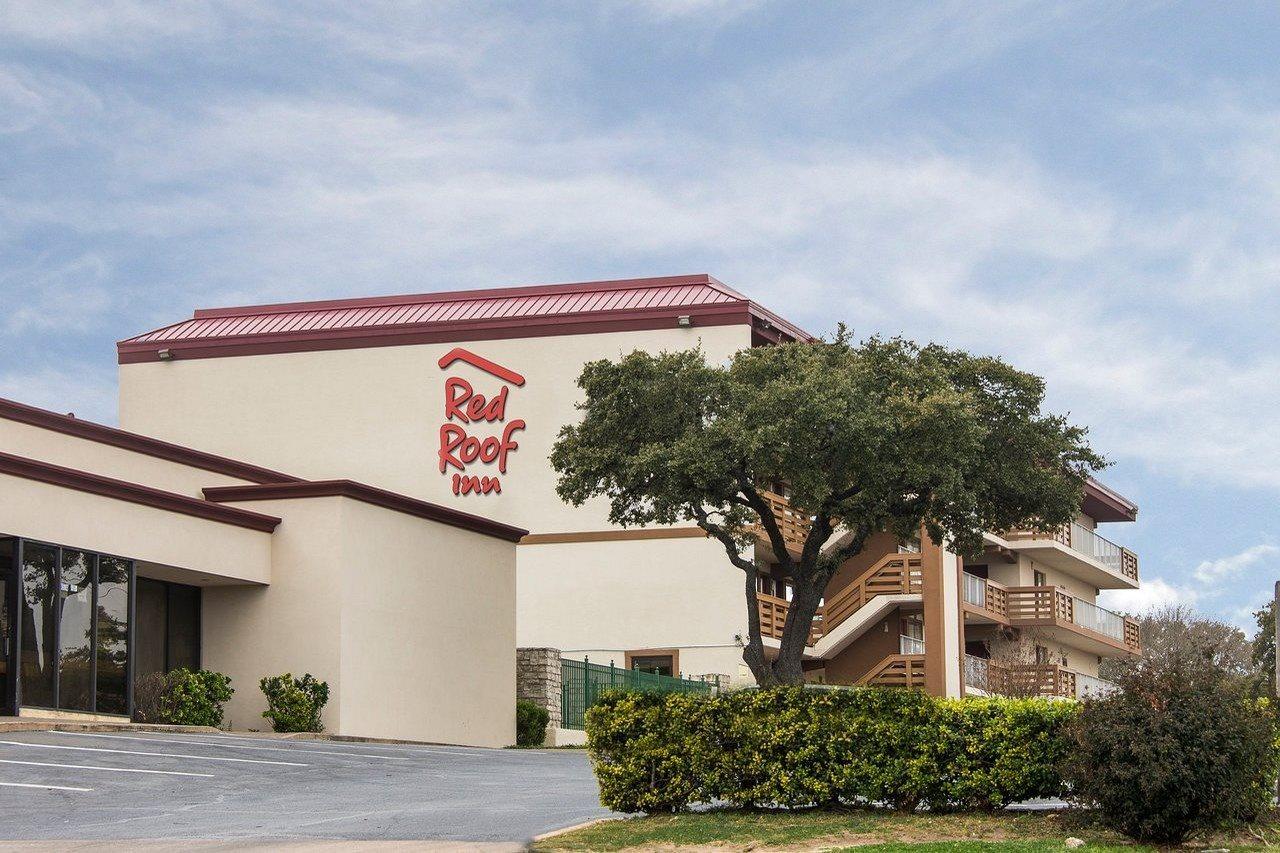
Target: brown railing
[[773, 618], [1043, 605], [1028, 606], [1034, 679], [792, 524], [1087, 542], [1037, 679], [896, 671], [892, 574]]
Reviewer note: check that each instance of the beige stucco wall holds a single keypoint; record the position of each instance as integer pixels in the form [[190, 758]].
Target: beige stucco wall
[[411, 622], [70, 451], [605, 598], [374, 414], [293, 625], [215, 550], [428, 630]]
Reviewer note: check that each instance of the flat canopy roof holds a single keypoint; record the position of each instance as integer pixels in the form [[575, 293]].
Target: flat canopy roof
[[507, 312]]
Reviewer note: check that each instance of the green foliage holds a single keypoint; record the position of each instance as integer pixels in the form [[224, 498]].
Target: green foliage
[[1181, 748], [884, 435], [531, 723], [796, 747], [294, 704], [194, 697]]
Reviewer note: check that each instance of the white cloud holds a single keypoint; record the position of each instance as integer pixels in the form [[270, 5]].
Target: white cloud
[[1154, 593], [1231, 567]]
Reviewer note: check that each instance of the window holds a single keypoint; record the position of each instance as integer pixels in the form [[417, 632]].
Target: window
[[1038, 578], [1042, 655], [72, 626], [655, 662], [75, 631], [37, 667], [168, 626]]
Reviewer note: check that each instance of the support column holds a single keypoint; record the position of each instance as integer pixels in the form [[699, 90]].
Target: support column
[[538, 680], [932, 561]]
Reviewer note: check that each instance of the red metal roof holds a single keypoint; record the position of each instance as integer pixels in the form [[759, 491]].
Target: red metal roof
[[553, 309]]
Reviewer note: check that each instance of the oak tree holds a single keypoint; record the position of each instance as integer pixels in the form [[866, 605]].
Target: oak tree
[[881, 435]]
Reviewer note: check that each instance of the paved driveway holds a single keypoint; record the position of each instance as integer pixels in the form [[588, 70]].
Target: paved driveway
[[167, 787]]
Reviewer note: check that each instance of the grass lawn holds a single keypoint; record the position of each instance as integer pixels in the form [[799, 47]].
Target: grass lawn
[[867, 831]]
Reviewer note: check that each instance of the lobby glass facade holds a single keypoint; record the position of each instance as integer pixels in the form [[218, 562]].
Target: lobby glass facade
[[66, 619]]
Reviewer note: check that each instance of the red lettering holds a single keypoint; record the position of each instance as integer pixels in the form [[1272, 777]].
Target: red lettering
[[453, 402], [508, 443], [451, 435], [467, 484], [497, 408]]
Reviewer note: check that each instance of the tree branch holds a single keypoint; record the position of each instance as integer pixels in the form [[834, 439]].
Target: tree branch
[[768, 522], [726, 538]]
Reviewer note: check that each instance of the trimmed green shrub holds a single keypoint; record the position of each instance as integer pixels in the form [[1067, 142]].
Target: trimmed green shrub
[[194, 697], [531, 723], [1181, 748], [793, 747], [294, 704]]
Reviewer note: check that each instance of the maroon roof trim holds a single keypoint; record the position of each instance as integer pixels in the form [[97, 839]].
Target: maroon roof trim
[[1103, 504], [493, 314], [45, 419], [463, 295], [369, 495], [452, 332], [95, 484]]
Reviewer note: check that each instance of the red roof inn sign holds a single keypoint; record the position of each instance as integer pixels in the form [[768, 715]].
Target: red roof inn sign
[[465, 413]]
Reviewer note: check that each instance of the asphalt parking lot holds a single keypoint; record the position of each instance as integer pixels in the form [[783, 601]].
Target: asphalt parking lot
[[58, 786]]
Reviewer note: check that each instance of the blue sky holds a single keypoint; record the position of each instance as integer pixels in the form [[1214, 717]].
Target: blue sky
[[1089, 189]]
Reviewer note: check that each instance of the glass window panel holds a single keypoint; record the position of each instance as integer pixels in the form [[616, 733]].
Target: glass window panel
[[39, 600], [75, 655], [7, 550], [150, 634], [184, 626], [113, 635]]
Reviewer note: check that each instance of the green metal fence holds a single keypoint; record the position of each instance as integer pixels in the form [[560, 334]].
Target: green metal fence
[[582, 683]]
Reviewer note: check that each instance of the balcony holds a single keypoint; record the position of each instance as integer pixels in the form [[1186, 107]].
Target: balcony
[[1055, 612], [1076, 549], [792, 524], [1040, 679]]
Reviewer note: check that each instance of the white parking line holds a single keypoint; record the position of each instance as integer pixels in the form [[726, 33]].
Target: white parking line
[[42, 787], [156, 754], [110, 769], [232, 745]]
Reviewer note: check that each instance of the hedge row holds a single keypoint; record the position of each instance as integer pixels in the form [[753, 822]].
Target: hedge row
[[793, 747]]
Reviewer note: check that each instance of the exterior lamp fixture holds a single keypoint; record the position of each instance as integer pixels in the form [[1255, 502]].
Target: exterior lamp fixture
[[684, 321], [165, 354]]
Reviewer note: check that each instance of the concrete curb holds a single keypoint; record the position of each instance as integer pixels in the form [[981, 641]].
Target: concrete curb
[[35, 724], [567, 829]]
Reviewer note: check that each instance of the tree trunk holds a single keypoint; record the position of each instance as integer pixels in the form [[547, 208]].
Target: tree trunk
[[753, 650], [788, 668]]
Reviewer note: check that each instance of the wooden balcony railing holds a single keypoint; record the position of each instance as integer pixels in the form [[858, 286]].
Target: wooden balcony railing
[[1029, 606], [1037, 679], [896, 671], [1087, 542], [793, 525], [773, 618], [892, 574]]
